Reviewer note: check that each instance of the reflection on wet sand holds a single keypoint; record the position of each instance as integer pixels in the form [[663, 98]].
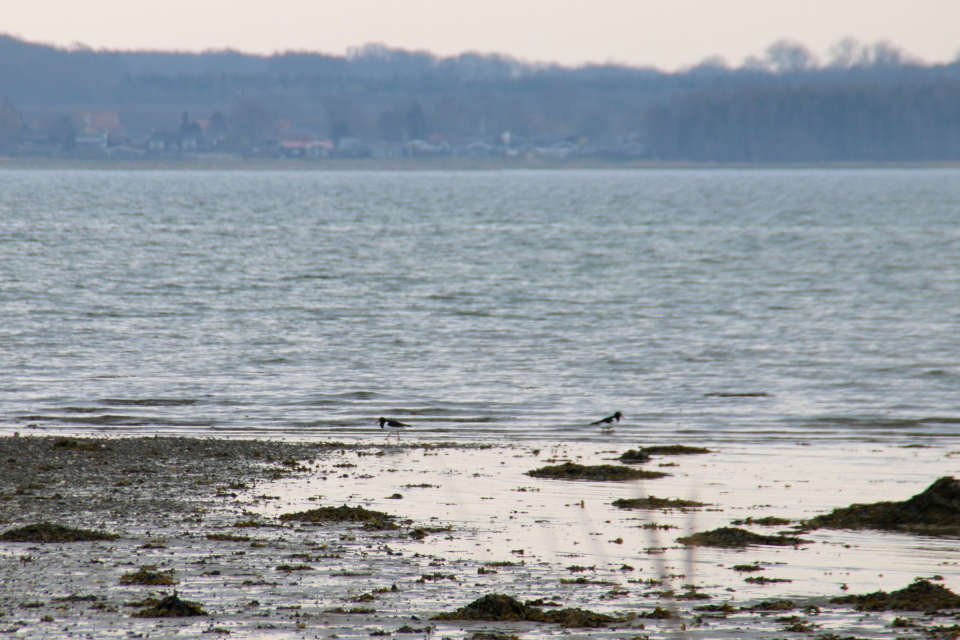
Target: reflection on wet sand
[[358, 539]]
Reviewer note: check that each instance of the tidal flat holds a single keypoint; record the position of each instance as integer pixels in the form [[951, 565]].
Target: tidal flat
[[255, 534]]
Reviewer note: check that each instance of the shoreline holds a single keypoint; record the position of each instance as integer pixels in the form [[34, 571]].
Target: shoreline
[[220, 163], [261, 575]]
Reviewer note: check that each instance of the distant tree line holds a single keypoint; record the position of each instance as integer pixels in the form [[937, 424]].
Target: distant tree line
[[894, 121], [867, 102]]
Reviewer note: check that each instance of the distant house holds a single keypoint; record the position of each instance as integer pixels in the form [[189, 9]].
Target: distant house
[[352, 148], [478, 149], [37, 143], [526, 149], [172, 142], [386, 150], [189, 143], [100, 122], [424, 148], [559, 151], [90, 144], [305, 148]]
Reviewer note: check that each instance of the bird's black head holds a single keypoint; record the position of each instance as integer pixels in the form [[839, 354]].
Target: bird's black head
[[382, 421], [618, 415]]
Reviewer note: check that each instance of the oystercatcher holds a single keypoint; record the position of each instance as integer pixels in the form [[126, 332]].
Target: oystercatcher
[[609, 419], [393, 424]]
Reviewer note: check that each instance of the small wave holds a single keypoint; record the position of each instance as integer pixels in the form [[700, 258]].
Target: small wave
[[426, 411], [263, 361], [737, 394], [884, 422], [115, 420], [358, 395], [149, 402], [309, 276]]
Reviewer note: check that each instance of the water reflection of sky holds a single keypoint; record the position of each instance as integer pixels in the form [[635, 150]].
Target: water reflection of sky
[[481, 493]]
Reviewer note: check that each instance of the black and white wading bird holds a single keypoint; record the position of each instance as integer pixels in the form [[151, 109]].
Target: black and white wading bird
[[608, 420], [396, 425]]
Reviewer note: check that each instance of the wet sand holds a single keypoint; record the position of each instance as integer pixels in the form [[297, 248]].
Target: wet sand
[[209, 511]]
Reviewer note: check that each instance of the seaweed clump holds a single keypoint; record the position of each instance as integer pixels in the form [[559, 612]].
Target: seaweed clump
[[922, 595], [171, 607], [502, 608], [45, 532], [652, 502], [609, 472], [634, 456], [935, 511], [376, 520], [768, 521], [673, 450], [148, 575], [733, 538]]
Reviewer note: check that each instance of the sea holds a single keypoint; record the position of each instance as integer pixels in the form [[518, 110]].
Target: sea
[[705, 305]]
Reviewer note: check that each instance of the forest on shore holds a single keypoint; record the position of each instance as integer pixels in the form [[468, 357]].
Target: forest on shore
[[870, 103]]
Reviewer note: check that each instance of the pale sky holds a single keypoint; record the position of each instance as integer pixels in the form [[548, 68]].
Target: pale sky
[[668, 34]]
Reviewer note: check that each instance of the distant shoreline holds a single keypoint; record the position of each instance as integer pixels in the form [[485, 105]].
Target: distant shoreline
[[200, 163]]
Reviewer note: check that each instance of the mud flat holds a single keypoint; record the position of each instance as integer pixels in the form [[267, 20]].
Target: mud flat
[[217, 537]]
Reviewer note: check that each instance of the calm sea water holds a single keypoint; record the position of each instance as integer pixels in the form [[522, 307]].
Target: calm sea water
[[701, 304]]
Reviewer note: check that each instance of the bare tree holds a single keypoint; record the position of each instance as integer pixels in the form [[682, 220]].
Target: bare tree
[[10, 123], [785, 56], [848, 53]]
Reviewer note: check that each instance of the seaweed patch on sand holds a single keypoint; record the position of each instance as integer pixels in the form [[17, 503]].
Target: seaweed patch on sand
[[733, 538], [922, 595], [673, 450], [496, 607], [633, 456], [171, 607], [602, 472], [377, 520], [767, 521], [652, 502], [935, 511], [148, 575], [46, 533], [636, 456]]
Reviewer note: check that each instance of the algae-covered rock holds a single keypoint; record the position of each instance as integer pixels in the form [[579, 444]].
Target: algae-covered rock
[[733, 538], [367, 517], [772, 605], [607, 472], [652, 502], [658, 613], [496, 607], [922, 595], [578, 618], [935, 511], [45, 532], [78, 445], [673, 450], [148, 575], [633, 456], [171, 607], [636, 456], [768, 521]]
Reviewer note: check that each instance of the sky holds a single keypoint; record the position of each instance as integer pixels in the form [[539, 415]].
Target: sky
[[667, 34]]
